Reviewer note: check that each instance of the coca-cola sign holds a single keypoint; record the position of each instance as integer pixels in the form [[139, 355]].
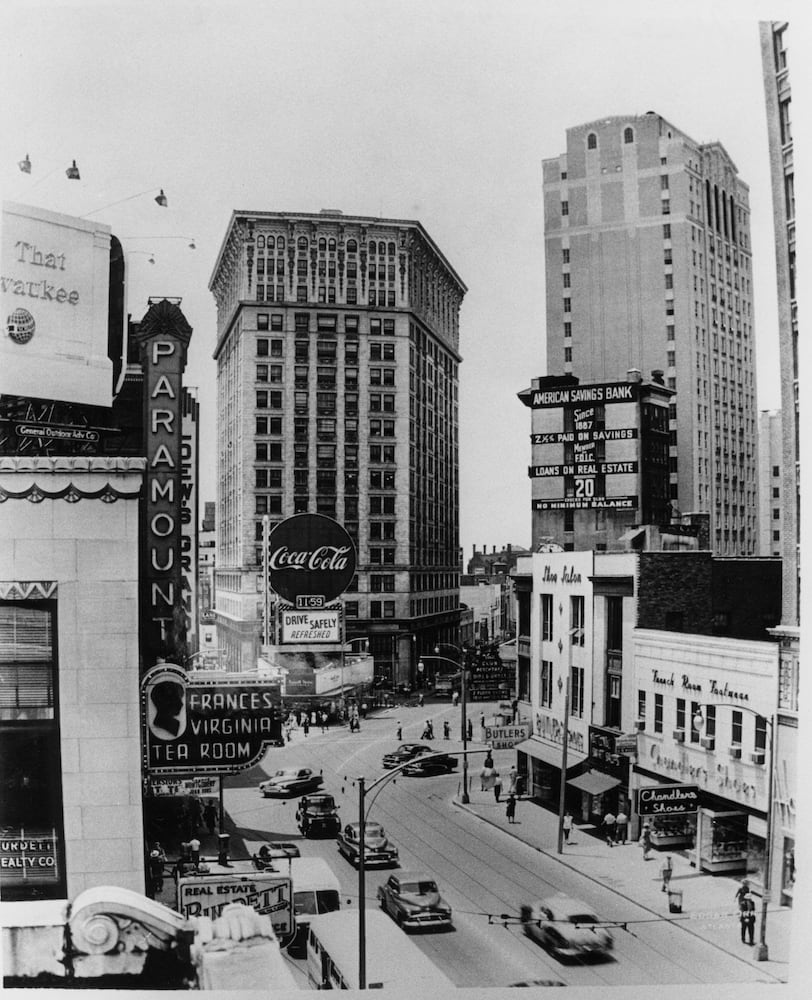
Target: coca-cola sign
[[310, 554]]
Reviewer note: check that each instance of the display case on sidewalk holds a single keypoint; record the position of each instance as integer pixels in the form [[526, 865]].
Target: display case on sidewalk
[[722, 841], [673, 831]]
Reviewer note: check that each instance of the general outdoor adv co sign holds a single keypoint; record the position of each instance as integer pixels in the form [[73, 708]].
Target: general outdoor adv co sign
[[311, 560], [668, 800], [206, 726]]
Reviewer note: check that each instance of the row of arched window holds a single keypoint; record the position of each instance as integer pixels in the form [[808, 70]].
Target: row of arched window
[[592, 139], [278, 242]]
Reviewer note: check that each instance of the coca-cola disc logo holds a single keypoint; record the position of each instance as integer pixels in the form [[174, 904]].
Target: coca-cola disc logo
[[310, 554]]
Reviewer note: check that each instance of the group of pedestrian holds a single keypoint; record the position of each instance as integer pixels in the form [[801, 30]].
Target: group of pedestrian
[[428, 730], [615, 828], [747, 912]]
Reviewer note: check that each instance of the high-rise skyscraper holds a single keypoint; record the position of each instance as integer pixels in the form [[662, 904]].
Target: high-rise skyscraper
[[648, 266], [337, 357]]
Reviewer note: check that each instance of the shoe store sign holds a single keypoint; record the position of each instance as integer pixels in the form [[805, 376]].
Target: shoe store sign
[[668, 800], [206, 726]]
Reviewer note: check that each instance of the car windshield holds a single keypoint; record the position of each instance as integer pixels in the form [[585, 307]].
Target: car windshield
[[374, 830], [418, 888], [320, 805], [582, 918], [283, 774]]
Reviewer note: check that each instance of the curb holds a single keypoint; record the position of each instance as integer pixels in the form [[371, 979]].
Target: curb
[[561, 859]]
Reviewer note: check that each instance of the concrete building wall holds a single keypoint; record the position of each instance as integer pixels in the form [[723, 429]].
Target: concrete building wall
[[89, 549], [770, 483]]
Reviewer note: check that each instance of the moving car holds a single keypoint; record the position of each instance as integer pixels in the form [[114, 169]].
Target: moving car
[[413, 900], [406, 751], [378, 849], [566, 927], [275, 850], [318, 814], [423, 767], [291, 781]]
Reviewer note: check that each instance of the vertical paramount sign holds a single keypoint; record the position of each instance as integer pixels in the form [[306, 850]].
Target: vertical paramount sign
[[163, 337]]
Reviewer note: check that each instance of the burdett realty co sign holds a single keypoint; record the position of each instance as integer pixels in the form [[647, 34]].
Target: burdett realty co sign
[[310, 556]]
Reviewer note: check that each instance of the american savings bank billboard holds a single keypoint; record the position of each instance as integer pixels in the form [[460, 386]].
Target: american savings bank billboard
[[311, 562], [573, 427]]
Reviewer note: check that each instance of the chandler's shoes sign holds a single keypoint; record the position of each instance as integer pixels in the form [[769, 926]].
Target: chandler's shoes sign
[[206, 726]]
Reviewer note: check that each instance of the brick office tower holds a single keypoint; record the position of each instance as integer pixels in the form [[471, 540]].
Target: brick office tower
[[648, 266], [337, 358]]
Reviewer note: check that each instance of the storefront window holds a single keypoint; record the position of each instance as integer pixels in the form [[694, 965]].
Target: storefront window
[[788, 869], [31, 849]]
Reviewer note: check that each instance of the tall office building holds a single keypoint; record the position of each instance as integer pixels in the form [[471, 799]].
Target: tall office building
[[648, 266], [337, 359]]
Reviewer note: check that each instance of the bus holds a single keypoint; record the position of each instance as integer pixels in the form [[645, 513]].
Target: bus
[[392, 959], [315, 890]]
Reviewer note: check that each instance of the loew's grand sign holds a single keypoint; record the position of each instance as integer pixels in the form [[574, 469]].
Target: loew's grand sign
[[206, 726]]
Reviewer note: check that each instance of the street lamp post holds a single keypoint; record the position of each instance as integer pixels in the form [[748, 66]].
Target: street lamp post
[[363, 809], [463, 717], [761, 953]]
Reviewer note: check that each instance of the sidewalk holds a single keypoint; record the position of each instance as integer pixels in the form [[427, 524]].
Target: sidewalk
[[709, 910]]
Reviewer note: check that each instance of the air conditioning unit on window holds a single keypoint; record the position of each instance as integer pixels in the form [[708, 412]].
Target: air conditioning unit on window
[[641, 725], [735, 752], [708, 742], [679, 735], [758, 757]]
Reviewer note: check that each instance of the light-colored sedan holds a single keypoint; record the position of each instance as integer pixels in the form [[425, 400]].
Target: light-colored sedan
[[566, 927], [290, 781], [378, 848]]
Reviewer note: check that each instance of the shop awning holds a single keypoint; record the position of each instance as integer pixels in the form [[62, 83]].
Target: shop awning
[[549, 753], [594, 782]]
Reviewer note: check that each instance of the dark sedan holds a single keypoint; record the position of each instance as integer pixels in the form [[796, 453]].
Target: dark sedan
[[406, 751], [425, 767]]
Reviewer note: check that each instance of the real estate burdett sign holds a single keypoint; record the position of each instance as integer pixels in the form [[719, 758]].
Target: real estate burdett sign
[[310, 555]]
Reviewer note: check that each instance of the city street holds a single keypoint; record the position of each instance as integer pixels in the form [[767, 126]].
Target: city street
[[481, 870]]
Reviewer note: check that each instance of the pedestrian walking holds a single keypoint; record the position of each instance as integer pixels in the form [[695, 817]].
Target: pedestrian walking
[[446, 730], [470, 730], [306, 725], [481, 720], [747, 917], [510, 809], [399, 732], [497, 786], [194, 850], [645, 841], [567, 826], [363, 709], [666, 871], [420, 699], [609, 827], [455, 699], [156, 873], [325, 719], [621, 826], [513, 780], [210, 816]]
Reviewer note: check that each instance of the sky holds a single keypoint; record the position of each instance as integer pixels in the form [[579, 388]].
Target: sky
[[437, 111]]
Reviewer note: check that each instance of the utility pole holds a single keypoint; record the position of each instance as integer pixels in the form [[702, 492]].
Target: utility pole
[[362, 906], [463, 691]]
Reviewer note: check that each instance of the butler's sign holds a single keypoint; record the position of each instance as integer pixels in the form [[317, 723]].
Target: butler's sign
[[210, 726], [310, 555]]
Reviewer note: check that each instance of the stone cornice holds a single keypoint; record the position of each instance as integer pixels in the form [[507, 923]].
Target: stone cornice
[[76, 463]]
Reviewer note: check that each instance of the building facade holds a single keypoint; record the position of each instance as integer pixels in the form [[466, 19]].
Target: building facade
[[337, 369], [648, 266], [778, 95]]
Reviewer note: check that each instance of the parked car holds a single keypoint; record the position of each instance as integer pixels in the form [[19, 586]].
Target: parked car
[[318, 814], [275, 850], [423, 767], [290, 781], [566, 927], [406, 751], [378, 849], [413, 901], [539, 982]]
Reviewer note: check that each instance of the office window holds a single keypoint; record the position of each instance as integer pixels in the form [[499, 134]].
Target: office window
[[641, 704], [577, 621], [567, 355], [628, 135], [546, 617], [565, 255], [760, 743], [695, 734], [546, 683], [565, 208], [681, 713], [577, 692], [658, 713]]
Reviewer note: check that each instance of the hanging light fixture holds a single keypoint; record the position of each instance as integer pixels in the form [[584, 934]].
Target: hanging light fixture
[[161, 199], [72, 173], [25, 165]]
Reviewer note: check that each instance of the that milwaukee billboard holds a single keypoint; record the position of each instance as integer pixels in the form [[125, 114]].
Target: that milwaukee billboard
[[310, 556]]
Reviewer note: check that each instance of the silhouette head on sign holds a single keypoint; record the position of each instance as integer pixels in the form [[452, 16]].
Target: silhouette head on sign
[[167, 697]]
